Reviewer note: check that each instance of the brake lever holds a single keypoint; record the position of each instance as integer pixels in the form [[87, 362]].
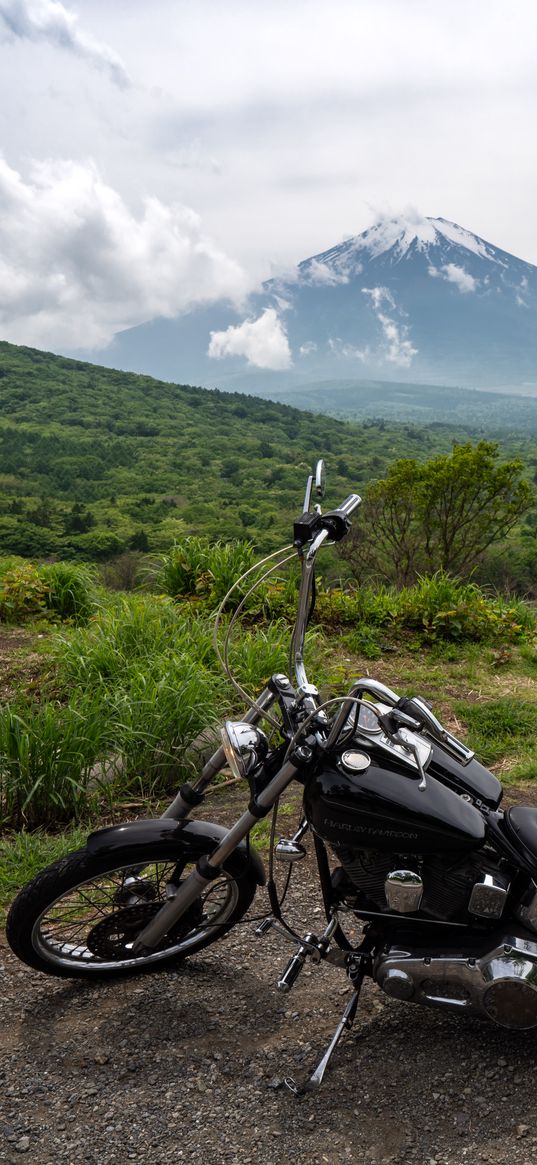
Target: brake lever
[[410, 747], [391, 723]]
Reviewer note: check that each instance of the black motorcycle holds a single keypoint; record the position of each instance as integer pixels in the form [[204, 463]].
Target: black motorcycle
[[407, 830]]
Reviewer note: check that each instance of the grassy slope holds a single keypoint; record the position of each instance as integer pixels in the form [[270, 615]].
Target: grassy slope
[[143, 455]]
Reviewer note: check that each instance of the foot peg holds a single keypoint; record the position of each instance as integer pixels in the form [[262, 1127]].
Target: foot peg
[[291, 973], [264, 926], [312, 948], [289, 850]]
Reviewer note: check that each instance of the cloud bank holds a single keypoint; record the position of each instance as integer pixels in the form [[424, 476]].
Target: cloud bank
[[77, 266], [50, 21], [262, 341]]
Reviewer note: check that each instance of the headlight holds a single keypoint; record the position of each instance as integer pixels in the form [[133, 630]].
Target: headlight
[[245, 747]]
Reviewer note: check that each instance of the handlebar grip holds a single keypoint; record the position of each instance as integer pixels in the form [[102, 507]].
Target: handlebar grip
[[350, 505], [337, 522]]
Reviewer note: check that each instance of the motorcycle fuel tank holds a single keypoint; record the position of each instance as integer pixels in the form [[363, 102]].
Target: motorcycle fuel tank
[[383, 808], [472, 778]]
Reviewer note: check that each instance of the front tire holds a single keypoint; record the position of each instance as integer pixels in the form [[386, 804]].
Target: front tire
[[80, 916]]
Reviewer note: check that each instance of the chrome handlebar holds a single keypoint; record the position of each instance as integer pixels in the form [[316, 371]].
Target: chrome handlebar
[[336, 524], [350, 504], [412, 706], [304, 599], [417, 708]]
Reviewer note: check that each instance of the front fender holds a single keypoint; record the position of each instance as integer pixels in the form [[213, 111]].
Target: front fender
[[193, 837]]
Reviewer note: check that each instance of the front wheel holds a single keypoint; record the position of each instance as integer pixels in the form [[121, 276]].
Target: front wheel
[[80, 917]]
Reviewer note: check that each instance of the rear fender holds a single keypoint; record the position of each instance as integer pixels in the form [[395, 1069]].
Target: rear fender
[[192, 837]]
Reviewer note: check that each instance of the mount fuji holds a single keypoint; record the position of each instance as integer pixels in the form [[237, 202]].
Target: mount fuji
[[411, 299]]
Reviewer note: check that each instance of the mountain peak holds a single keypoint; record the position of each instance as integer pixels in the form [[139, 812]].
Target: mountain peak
[[396, 238], [408, 230]]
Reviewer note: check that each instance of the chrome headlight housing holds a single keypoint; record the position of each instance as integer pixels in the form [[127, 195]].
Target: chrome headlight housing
[[245, 747]]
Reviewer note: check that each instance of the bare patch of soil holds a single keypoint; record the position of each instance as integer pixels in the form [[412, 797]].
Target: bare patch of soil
[[20, 667]]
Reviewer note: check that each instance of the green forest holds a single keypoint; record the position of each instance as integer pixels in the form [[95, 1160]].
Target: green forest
[[96, 462]]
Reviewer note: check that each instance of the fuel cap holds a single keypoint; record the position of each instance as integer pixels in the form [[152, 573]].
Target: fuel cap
[[354, 761]]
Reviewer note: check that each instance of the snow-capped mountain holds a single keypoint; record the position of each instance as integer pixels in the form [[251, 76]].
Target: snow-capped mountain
[[413, 298]]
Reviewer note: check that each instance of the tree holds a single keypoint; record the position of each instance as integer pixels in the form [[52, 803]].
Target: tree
[[139, 541], [442, 514], [79, 520]]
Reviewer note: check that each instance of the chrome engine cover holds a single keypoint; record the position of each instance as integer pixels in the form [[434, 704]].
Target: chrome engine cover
[[500, 985]]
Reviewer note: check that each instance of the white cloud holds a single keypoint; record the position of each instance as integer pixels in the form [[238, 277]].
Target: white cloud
[[455, 274], [49, 20], [378, 296], [320, 273], [308, 348], [349, 351], [399, 349], [76, 265], [262, 341]]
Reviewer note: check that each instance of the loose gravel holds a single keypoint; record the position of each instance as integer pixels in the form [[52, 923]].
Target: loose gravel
[[189, 1065]]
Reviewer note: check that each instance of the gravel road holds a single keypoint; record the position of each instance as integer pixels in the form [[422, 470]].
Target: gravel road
[[188, 1066]]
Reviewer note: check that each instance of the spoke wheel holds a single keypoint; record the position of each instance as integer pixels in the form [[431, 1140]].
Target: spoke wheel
[[79, 918]]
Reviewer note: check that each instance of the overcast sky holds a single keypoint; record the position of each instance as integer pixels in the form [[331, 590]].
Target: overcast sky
[[155, 155]]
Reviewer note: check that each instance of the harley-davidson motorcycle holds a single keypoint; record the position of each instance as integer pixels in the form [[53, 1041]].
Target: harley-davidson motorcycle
[[409, 838]]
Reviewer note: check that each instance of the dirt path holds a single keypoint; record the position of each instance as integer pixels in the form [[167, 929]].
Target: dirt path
[[188, 1066]]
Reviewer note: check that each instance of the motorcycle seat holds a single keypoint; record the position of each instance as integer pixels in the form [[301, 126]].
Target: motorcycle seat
[[522, 820]]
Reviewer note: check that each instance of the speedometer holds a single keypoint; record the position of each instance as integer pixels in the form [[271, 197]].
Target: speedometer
[[368, 719]]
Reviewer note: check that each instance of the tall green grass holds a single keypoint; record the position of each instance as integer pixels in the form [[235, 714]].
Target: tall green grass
[[125, 698], [46, 756], [133, 678], [71, 593]]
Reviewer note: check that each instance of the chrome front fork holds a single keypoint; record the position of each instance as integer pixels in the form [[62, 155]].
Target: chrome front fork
[[209, 867]]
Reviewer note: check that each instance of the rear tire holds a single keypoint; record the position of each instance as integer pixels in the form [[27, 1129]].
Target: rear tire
[[80, 916]]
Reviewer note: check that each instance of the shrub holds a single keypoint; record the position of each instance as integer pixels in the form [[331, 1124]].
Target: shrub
[[196, 569], [443, 608], [70, 590], [438, 608], [23, 593]]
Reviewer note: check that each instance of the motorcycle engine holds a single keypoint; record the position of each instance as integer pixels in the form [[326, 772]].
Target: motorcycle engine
[[447, 882], [497, 980]]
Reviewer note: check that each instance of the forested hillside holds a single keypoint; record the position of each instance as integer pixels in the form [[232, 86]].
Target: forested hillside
[[94, 461]]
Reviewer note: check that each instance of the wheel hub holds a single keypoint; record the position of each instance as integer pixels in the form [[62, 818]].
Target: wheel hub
[[112, 938]]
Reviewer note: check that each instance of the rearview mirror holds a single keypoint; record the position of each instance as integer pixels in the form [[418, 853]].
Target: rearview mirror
[[320, 479]]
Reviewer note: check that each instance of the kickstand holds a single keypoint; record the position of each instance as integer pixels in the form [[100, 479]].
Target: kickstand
[[347, 1019]]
